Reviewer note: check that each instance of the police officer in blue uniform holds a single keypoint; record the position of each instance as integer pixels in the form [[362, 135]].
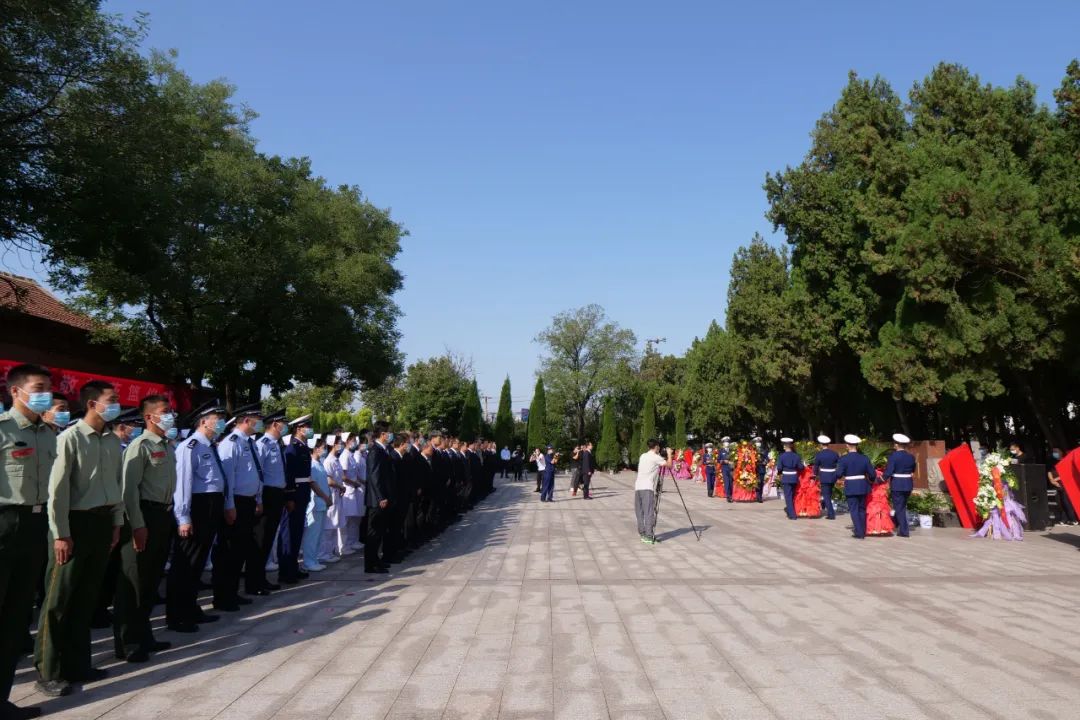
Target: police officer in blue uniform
[[900, 473], [789, 465], [199, 507], [709, 458], [297, 495], [825, 461], [236, 544], [857, 472], [725, 467], [271, 457], [761, 468]]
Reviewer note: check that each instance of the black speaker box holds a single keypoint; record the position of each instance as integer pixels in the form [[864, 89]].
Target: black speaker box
[[1031, 493]]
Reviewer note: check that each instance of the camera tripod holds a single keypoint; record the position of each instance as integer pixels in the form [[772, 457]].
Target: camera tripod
[[660, 490]]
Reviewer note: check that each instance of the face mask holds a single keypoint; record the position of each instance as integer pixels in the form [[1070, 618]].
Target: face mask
[[61, 418], [166, 422], [219, 426], [363, 448], [391, 438], [171, 433], [110, 413], [259, 426], [39, 402], [1056, 455], [136, 433]]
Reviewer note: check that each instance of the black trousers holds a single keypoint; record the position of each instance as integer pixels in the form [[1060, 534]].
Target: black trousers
[[292, 532], [140, 576], [393, 533], [235, 547], [109, 582], [266, 532], [586, 482], [376, 518], [23, 547], [189, 558]]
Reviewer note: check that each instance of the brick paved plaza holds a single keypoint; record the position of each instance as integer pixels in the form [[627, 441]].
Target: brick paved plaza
[[530, 610]]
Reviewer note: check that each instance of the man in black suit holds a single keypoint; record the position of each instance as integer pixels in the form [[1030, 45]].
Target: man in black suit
[[476, 472], [588, 467], [377, 489]]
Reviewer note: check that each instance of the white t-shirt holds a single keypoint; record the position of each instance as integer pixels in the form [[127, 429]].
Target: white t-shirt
[[648, 470], [541, 462]]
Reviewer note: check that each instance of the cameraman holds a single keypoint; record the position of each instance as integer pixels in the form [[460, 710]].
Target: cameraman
[[650, 464]]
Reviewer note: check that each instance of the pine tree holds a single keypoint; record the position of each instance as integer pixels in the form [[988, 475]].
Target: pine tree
[[607, 452], [635, 444], [470, 414], [504, 420], [680, 427], [648, 420], [538, 418]]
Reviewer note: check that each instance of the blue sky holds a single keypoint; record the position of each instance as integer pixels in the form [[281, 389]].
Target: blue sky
[[548, 155]]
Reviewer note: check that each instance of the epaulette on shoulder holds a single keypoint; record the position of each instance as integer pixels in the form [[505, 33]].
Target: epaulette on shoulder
[[192, 443]]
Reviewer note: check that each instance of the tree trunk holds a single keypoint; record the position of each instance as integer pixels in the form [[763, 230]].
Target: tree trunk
[[1053, 437], [901, 414]]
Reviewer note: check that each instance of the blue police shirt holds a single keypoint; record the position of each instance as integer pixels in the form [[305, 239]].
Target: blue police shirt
[[825, 462], [857, 472], [272, 461], [789, 465], [238, 460], [900, 470], [197, 471]]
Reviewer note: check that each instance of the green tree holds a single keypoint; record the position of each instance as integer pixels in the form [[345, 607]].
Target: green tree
[[538, 417], [361, 420], [504, 420], [470, 426], [434, 392], [712, 400], [385, 400], [648, 420], [583, 353], [234, 268], [636, 444], [47, 51], [679, 440], [324, 398], [607, 450]]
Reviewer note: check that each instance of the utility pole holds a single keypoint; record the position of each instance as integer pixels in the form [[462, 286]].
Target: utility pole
[[485, 398]]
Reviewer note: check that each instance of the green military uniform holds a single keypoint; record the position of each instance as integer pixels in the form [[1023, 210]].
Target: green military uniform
[[27, 452], [85, 504], [148, 480]]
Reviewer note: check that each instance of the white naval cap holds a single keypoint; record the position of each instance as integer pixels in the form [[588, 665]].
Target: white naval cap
[[311, 443], [852, 439], [824, 439], [901, 438], [786, 440], [330, 439], [725, 439], [345, 436]]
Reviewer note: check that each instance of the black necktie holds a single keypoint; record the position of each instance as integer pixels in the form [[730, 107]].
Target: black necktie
[[221, 469]]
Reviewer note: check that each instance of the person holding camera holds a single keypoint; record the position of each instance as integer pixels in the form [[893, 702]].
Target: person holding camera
[[650, 464]]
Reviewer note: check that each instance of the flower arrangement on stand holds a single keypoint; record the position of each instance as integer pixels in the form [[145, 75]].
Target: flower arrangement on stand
[[1003, 517], [808, 491], [745, 473], [769, 489]]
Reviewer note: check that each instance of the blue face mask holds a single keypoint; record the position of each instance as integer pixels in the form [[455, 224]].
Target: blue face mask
[[61, 418], [390, 439], [171, 433], [39, 402], [110, 413], [166, 421], [136, 432], [219, 426], [259, 426]]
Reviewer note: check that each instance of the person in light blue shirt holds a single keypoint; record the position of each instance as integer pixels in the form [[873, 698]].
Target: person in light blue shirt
[[236, 545], [201, 504], [316, 509], [270, 455]]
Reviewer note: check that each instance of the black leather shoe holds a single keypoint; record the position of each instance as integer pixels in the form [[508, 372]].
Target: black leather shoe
[[183, 627], [261, 592], [227, 607], [11, 711], [303, 575], [205, 617], [53, 688], [244, 601], [139, 656], [159, 645]]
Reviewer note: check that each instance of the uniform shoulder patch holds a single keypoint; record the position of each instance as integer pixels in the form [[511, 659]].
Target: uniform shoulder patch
[[192, 443]]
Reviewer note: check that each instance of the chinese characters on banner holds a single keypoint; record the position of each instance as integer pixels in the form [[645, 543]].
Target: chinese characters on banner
[[69, 382]]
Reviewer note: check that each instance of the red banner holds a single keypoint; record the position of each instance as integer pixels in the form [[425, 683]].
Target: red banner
[[69, 382], [1068, 469], [962, 478]]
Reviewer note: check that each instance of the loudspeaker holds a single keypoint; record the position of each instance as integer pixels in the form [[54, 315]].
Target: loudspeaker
[[1031, 493]]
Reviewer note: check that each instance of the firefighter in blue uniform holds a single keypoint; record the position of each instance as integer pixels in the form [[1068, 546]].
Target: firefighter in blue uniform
[[725, 467], [789, 465], [709, 459], [825, 461], [900, 473], [857, 472], [297, 495]]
